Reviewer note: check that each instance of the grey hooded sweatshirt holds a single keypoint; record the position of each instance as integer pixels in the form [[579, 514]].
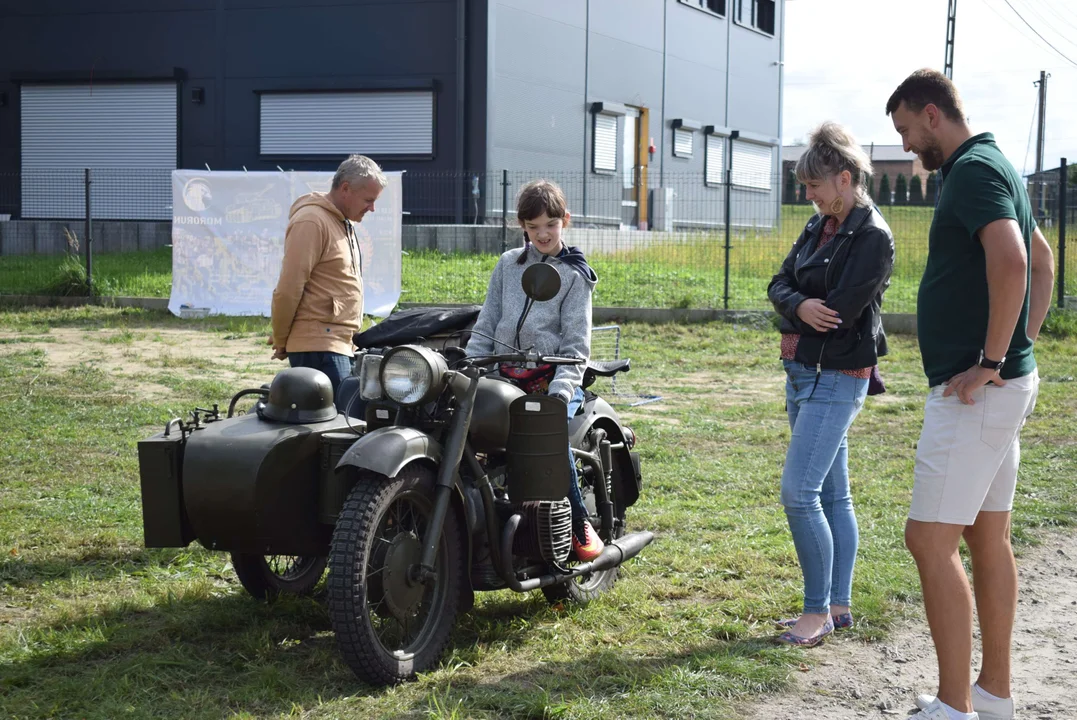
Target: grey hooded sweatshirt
[[560, 326]]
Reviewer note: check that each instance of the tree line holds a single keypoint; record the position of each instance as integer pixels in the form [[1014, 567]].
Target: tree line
[[904, 192]]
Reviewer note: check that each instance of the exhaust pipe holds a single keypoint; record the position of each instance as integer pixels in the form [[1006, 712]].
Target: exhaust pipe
[[614, 554]]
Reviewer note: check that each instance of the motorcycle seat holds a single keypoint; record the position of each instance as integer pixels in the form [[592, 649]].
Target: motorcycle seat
[[604, 368]]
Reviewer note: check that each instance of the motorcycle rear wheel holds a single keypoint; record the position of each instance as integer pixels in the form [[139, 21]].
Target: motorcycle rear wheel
[[389, 626], [586, 588], [267, 576]]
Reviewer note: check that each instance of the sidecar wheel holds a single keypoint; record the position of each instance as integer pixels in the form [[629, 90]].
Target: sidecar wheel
[[267, 576], [389, 625]]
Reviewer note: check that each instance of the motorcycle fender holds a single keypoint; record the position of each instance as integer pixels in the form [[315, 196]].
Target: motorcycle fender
[[387, 450], [594, 410], [598, 412]]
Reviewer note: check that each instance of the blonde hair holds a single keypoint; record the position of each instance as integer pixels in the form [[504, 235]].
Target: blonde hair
[[832, 149]]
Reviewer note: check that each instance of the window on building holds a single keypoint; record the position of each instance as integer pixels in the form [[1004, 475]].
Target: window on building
[[758, 14], [753, 165], [103, 126], [714, 160], [682, 142], [714, 6], [605, 143], [764, 16], [340, 123]]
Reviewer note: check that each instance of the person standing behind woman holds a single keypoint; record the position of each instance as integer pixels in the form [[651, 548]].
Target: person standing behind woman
[[829, 292]]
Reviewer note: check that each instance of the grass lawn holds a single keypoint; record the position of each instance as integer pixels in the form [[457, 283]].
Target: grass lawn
[[92, 625], [681, 275]]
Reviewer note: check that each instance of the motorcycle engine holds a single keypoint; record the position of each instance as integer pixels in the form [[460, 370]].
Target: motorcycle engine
[[545, 530]]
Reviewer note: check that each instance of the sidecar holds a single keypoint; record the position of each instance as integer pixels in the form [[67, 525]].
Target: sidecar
[[263, 485]]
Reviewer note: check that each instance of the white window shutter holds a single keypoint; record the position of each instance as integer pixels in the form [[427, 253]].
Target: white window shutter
[[682, 142], [752, 165], [340, 123], [605, 143], [125, 133], [715, 160]]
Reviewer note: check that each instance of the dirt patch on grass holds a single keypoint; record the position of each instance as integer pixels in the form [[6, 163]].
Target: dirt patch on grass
[[137, 359], [854, 679], [734, 389]]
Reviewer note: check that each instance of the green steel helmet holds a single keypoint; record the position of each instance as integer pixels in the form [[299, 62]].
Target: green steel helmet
[[299, 395]]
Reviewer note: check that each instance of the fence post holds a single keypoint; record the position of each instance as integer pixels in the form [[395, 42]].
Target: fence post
[[504, 210], [1063, 207], [728, 213], [88, 238]]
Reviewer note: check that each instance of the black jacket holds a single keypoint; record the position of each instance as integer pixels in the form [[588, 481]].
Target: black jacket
[[850, 274]]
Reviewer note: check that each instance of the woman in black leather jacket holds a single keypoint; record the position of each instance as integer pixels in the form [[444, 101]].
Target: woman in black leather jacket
[[829, 293]]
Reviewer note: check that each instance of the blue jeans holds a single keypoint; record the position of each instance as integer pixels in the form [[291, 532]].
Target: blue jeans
[[335, 365], [575, 498], [815, 481]]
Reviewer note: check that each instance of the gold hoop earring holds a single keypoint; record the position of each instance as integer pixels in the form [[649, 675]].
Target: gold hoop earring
[[837, 205]]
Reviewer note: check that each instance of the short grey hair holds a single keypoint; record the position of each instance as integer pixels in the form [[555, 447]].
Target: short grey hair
[[357, 168], [832, 149]]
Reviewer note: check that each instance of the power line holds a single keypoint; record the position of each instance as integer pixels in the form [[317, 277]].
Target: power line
[[1041, 37], [1059, 13], [1016, 28], [1050, 23], [1056, 13]]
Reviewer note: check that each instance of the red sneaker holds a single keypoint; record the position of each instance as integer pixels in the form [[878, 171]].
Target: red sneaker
[[587, 551]]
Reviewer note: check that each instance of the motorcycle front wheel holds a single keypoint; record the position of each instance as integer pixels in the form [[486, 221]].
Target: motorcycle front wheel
[[390, 622], [267, 576]]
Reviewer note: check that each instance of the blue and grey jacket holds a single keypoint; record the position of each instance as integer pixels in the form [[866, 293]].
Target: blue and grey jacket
[[560, 326]]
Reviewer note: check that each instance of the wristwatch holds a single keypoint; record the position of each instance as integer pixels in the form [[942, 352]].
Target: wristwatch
[[991, 364]]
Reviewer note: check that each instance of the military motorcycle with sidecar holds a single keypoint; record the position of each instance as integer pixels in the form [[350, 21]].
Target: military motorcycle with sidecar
[[454, 481]]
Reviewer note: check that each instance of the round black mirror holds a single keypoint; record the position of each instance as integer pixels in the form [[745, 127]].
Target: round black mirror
[[541, 282]]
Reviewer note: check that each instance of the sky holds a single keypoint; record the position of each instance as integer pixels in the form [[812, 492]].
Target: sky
[[843, 58]]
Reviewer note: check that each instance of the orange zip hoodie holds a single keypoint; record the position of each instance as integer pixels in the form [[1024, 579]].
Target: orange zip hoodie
[[318, 301]]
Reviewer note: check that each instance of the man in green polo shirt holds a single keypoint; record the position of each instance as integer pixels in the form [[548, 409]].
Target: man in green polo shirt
[[983, 296]]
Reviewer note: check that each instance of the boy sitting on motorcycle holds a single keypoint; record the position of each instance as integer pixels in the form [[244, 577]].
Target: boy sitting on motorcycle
[[561, 326]]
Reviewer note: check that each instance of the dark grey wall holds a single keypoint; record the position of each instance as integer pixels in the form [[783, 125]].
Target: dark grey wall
[[232, 48]]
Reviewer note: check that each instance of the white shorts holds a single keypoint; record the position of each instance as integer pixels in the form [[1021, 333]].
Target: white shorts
[[967, 457]]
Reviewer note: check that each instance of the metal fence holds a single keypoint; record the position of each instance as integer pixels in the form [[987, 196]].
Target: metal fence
[[672, 239]]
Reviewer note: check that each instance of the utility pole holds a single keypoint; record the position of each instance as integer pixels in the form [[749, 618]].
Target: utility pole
[[951, 21], [1041, 126]]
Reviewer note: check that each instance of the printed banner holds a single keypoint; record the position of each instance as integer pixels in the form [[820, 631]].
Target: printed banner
[[228, 240]]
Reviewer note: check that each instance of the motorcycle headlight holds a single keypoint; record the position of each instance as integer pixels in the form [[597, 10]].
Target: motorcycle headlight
[[370, 378], [412, 375]]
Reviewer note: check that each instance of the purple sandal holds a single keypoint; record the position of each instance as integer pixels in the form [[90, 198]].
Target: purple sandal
[[844, 621], [788, 638]]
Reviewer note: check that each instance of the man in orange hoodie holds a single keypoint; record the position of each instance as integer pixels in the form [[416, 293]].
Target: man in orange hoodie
[[318, 301]]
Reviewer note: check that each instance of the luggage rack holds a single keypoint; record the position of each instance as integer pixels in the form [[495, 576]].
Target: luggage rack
[[606, 346]]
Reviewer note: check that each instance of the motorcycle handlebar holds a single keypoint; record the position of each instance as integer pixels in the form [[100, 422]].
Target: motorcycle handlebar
[[558, 360], [525, 357]]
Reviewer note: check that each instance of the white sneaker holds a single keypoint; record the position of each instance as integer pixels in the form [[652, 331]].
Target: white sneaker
[[934, 711], [987, 709]]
